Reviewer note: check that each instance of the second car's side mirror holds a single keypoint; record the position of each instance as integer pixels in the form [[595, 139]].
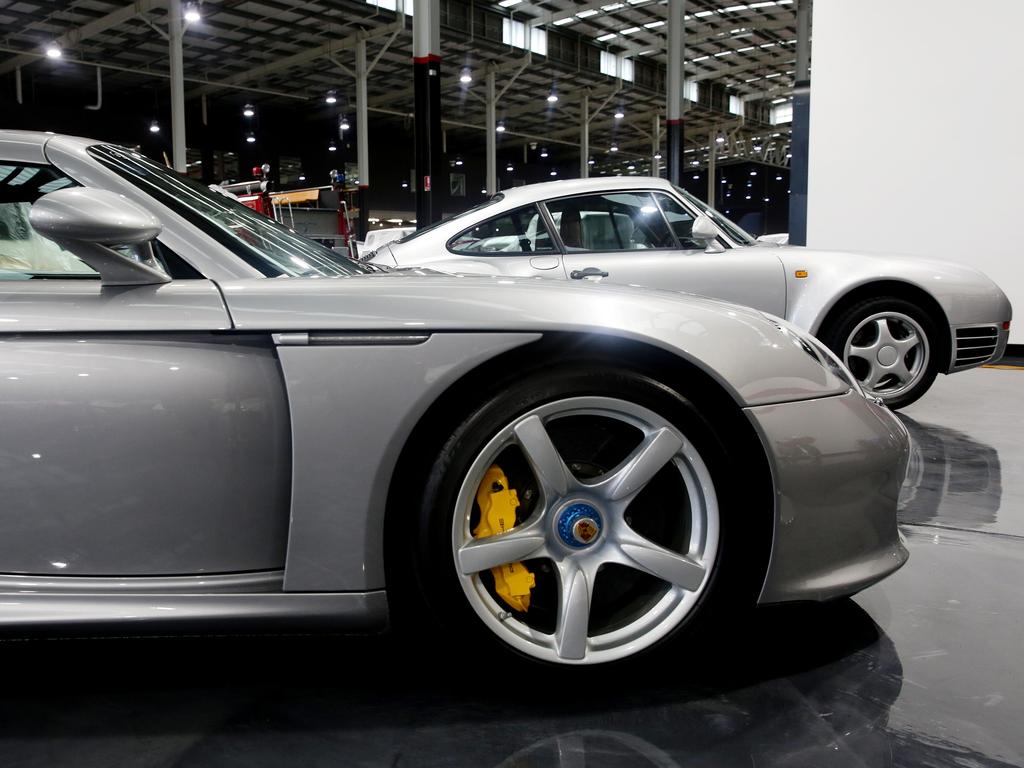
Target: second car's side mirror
[[705, 232], [88, 221]]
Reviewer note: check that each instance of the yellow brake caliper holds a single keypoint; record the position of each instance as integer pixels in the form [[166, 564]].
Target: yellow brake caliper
[[498, 504]]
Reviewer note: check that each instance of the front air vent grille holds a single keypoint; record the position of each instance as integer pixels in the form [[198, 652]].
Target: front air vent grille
[[975, 345]]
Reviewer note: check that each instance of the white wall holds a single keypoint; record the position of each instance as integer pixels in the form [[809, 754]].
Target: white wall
[[917, 133]]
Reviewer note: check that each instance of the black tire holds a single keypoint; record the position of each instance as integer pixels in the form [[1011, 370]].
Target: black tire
[[439, 599], [838, 330]]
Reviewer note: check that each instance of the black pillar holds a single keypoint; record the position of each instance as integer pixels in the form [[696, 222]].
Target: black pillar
[[675, 151], [427, 101]]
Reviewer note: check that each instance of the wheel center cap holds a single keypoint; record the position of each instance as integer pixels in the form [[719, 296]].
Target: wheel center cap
[[579, 525], [888, 355]]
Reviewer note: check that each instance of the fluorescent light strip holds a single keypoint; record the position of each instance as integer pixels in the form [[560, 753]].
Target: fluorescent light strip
[[774, 74], [767, 45], [744, 50], [509, 3], [734, 9], [763, 4], [629, 30], [587, 14], [612, 7], [563, 22], [699, 58], [723, 53], [605, 38], [702, 14], [653, 24]]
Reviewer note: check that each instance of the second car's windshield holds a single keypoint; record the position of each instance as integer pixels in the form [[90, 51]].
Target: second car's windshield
[[733, 230], [261, 242]]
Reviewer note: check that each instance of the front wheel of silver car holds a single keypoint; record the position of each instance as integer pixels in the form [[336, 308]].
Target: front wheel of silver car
[[578, 518], [888, 345]]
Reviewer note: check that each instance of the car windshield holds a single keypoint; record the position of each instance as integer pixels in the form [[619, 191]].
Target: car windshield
[[261, 242], [490, 201], [734, 231]]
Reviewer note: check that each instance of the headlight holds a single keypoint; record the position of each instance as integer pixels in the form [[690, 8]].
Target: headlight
[[813, 347]]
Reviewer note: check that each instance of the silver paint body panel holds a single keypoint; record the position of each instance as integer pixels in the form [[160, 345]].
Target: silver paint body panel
[[353, 408], [141, 454], [838, 464], [761, 275], [272, 446]]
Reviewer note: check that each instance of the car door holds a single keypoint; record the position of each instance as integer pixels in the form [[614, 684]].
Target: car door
[[515, 243], [138, 435], [642, 238]]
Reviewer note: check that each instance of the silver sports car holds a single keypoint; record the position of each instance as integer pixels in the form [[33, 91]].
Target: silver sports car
[[210, 422], [895, 321]]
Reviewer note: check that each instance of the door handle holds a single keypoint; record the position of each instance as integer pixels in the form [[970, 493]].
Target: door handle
[[579, 274]]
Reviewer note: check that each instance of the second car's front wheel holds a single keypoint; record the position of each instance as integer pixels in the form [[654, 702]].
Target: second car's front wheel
[[888, 344]]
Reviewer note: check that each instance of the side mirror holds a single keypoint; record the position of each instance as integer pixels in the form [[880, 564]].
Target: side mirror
[[87, 221], [705, 232]]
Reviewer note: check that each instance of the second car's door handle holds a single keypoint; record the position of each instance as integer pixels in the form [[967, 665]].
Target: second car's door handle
[[579, 274]]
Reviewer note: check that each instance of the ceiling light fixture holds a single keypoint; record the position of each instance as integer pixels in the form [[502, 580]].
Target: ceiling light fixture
[[552, 97], [332, 147], [613, 148], [154, 127], [53, 51], [553, 172], [458, 161], [331, 97], [344, 123], [590, 161], [248, 110], [465, 78], [653, 24], [619, 114], [302, 177], [500, 128], [563, 22], [509, 168], [605, 38], [192, 14], [587, 13], [250, 138], [543, 151]]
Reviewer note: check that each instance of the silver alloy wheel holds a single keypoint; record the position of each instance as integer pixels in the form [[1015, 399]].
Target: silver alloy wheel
[[682, 576], [888, 352]]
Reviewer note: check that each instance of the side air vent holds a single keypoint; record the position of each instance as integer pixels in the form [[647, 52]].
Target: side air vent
[[975, 345]]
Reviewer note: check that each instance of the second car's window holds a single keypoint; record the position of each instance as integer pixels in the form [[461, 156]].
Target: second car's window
[[619, 221], [515, 232], [680, 220]]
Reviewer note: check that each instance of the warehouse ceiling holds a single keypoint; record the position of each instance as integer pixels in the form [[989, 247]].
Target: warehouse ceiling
[[740, 57]]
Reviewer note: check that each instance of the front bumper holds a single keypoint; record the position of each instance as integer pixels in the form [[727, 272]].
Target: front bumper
[[838, 464], [976, 344]]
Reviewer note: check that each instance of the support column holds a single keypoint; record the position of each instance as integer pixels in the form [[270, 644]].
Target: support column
[[174, 32], [712, 156], [674, 86], [362, 139], [585, 135], [801, 124], [426, 57], [491, 125], [656, 146]]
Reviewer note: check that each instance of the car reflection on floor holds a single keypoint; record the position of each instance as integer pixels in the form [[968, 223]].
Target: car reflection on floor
[[951, 479]]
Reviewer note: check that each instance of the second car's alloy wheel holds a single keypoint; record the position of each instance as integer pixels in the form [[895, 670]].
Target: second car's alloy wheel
[[889, 345], [620, 554]]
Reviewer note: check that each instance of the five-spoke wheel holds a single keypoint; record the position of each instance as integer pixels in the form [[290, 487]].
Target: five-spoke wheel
[[619, 525], [887, 343]]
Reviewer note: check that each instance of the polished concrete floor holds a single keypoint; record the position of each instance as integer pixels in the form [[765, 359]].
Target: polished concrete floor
[[925, 669]]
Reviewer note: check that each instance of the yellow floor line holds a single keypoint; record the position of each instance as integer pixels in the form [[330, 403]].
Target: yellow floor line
[[1005, 367]]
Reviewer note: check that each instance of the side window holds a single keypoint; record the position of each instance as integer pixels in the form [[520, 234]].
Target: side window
[[25, 254], [619, 221], [680, 220], [516, 232]]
